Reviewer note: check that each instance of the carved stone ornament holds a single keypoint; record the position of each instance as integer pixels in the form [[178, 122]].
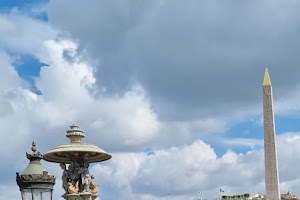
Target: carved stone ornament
[[289, 196]]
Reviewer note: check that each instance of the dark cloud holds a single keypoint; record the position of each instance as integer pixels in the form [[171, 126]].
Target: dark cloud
[[193, 58]]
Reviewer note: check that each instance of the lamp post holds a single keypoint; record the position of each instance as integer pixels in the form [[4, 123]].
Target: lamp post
[[35, 183]]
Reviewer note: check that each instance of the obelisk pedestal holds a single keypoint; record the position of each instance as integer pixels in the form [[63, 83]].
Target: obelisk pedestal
[[271, 165]]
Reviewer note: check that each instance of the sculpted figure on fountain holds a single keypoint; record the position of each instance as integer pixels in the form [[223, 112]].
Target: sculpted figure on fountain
[[77, 177]]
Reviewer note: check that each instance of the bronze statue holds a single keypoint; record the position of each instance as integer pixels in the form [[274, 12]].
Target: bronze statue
[[64, 177]]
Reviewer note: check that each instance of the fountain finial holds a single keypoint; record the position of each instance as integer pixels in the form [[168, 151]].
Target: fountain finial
[[75, 134]]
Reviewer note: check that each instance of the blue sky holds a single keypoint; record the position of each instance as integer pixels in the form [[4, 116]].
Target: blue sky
[[24, 5], [6, 5], [28, 68], [172, 89]]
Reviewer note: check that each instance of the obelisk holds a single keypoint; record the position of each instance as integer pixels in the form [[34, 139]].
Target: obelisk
[[271, 165]]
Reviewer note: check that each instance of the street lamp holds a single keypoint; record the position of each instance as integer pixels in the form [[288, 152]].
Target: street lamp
[[35, 183]]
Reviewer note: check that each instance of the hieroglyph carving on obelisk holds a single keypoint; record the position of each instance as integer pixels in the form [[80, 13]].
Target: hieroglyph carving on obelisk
[[271, 165]]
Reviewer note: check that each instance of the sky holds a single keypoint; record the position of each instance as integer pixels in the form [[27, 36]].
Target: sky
[[171, 89]]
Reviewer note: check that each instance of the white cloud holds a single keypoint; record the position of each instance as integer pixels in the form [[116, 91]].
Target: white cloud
[[249, 142], [184, 171], [22, 34], [8, 74], [65, 85], [179, 171], [6, 25]]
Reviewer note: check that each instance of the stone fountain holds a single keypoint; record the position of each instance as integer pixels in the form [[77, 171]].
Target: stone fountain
[[76, 179]]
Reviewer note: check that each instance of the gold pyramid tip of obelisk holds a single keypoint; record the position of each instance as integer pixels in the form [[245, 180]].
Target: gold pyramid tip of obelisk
[[267, 80]]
